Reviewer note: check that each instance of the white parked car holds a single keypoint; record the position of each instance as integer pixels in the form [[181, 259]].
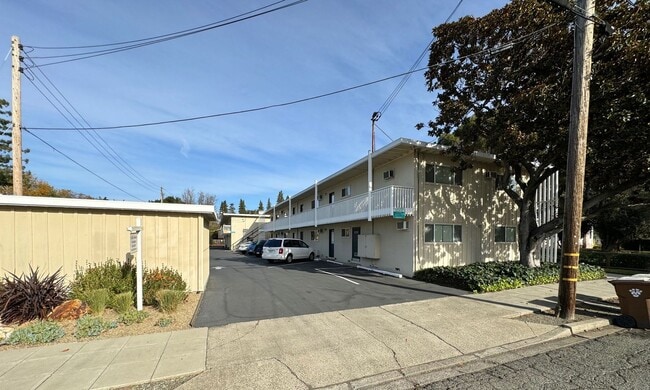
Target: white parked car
[[243, 247], [286, 249]]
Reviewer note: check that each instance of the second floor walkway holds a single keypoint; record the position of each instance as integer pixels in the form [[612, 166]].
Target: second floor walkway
[[384, 202]]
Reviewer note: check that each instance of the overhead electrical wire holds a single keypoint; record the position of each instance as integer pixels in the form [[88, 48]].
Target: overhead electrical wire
[[491, 51], [134, 44], [93, 137], [417, 62], [68, 157], [81, 165], [99, 139]]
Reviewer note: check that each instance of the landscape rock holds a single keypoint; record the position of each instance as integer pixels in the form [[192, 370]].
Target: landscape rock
[[69, 310]]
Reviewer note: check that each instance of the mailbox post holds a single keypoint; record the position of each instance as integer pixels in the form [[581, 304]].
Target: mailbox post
[[136, 251]]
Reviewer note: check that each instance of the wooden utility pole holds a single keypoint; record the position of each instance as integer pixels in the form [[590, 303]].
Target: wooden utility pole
[[583, 42], [16, 131], [375, 118]]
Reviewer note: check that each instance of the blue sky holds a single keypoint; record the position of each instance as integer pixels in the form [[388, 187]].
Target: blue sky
[[309, 49]]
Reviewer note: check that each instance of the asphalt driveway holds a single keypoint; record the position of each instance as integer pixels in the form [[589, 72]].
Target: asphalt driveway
[[244, 288]]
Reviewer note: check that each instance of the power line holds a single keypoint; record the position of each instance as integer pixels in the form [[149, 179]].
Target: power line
[[490, 51], [93, 144], [114, 156], [154, 37], [158, 39], [80, 165], [407, 76]]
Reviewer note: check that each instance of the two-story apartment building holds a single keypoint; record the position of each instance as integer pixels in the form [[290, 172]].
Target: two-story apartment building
[[414, 210]]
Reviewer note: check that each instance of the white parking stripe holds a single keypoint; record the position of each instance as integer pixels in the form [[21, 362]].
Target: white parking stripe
[[338, 276]]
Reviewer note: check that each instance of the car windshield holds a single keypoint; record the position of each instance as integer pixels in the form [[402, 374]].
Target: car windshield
[[273, 243]]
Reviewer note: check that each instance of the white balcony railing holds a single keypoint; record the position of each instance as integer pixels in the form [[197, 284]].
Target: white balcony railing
[[384, 202]]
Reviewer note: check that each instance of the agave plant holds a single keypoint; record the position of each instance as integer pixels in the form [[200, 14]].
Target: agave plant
[[26, 297]]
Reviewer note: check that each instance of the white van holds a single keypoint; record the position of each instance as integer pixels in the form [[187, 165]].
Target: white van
[[286, 249]]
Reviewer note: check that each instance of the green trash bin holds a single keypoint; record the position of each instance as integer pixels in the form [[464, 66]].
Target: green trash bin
[[634, 299]]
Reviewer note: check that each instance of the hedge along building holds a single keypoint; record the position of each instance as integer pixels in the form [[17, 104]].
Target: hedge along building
[[414, 210], [53, 233]]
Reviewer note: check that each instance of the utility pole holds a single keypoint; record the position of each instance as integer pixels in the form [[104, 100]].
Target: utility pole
[[375, 117], [16, 135], [161, 195], [582, 46]]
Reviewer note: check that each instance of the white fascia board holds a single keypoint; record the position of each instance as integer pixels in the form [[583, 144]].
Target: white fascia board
[[246, 215], [95, 204], [422, 145]]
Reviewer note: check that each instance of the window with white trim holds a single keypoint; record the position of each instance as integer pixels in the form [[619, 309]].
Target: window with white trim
[[505, 234], [345, 232], [443, 233], [442, 174]]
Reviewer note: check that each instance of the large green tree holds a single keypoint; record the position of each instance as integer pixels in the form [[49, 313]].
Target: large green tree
[[5, 145], [503, 83], [625, 217], [6, 164]]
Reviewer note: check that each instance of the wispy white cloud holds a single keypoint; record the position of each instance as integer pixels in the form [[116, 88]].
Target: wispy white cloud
[[310, 49]]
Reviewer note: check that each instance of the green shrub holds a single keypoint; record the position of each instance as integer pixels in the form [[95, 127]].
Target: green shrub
[[27, 297], [97, 300], [112, 275], [502, 284], [160, 279], [38, 332], [497, 276], [168, 300], [638, 261], [90, 326], [122, 302], [133, 316], [164, 322]]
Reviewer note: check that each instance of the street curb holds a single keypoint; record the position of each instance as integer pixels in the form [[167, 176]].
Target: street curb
[[426, 373]]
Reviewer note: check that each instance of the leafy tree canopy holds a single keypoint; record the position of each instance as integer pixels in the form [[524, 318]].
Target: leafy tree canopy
[[503, 83]]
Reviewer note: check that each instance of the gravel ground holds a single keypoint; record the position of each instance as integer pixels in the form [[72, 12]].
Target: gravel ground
[[181, 319]]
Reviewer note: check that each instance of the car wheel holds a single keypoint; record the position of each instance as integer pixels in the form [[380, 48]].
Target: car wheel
[[311, 256], [289, 258]]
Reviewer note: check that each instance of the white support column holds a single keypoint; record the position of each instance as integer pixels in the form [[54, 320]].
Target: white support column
[[316, 203], [289, 212], [369, 185]]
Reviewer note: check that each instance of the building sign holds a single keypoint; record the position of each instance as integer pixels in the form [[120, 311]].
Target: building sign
[[399, 214], [133, 238]]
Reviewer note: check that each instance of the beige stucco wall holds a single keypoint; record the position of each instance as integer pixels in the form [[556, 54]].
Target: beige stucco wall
[[240, 225], [53, 238], [476, 205]]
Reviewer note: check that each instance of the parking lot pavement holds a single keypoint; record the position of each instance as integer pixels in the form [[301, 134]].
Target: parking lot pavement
[[244, 288]]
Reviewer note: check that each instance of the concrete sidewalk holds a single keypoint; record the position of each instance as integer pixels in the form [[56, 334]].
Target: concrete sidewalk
[[105, 364], [395, 346], [399, 344]]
